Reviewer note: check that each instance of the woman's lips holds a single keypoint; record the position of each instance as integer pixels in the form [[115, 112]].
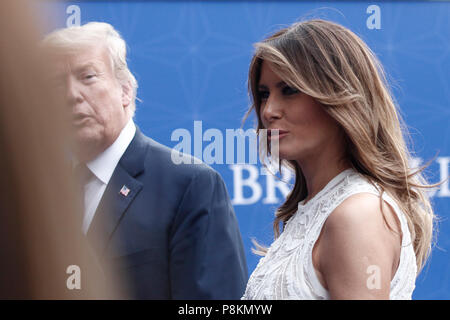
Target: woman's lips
[[276, 133]]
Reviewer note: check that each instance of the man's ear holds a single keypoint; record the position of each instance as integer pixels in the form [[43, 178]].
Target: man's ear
[[127, 94]]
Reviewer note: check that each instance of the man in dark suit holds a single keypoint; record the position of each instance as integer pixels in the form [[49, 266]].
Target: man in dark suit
[[169, 229]]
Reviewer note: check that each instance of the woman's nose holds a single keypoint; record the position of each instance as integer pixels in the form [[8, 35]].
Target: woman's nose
[[272, 109]]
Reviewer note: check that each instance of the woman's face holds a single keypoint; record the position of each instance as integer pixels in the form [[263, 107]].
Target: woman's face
[[305, 129]]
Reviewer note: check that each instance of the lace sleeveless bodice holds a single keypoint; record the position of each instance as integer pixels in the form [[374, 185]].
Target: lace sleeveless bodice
[[287, 272]]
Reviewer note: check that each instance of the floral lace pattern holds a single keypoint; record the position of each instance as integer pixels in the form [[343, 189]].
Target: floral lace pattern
[[287, 272]]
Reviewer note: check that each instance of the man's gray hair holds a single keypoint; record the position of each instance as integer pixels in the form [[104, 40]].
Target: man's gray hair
[[93, 34]]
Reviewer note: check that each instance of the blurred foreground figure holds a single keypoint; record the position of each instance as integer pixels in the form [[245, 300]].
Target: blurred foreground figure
[[42, 254], [168, 228]]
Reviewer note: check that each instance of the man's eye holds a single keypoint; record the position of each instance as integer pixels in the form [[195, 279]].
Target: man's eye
[[289, 91], [87, 76]]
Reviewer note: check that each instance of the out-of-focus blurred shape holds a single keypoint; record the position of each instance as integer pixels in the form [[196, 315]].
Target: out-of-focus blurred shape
[[43, 254]]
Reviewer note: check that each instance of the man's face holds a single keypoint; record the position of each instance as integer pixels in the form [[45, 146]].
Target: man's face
[[98, 106]]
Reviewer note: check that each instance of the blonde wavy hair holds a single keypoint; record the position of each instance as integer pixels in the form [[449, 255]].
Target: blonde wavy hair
[[335, 67]]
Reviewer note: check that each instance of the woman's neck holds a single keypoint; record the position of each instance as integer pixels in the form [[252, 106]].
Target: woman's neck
[[319, 172]]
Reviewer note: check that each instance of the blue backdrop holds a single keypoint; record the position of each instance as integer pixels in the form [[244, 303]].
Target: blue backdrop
[[191, 60]]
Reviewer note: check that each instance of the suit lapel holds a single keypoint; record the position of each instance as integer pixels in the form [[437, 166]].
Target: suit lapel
[[119, 194]]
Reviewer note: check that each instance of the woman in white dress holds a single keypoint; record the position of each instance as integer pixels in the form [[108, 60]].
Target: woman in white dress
[[358, 223]]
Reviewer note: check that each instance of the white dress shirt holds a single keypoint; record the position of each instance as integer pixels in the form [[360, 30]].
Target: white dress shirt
[[102, 169]]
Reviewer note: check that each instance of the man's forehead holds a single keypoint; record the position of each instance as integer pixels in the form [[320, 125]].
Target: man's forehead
[[81, 58]]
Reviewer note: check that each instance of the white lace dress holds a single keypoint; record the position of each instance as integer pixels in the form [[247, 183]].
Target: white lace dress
[[287, 272]]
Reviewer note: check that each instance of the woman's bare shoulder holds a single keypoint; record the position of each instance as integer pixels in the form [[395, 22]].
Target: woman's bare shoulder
[[362, 212], [354, 238]]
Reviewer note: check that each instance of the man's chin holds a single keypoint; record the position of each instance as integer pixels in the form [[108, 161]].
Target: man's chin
[[83, 136], [85, 144]]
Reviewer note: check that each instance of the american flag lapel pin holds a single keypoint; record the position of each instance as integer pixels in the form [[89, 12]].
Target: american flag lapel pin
[[124, 191]]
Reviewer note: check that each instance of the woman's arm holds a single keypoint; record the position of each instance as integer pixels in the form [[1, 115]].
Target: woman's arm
[[357, 254]]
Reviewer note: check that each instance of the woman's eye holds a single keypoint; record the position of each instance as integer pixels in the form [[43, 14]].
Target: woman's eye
[[289, 91], [263, 95], [89, 76]]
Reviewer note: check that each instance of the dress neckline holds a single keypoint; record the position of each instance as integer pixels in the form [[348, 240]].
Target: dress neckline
[[332, 183]]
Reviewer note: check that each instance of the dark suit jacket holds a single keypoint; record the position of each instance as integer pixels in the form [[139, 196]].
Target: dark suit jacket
[[171, 231]]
